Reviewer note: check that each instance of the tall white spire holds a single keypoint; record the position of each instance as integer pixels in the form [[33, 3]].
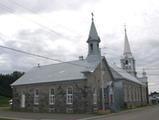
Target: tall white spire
[[127, 61], [127, 51]]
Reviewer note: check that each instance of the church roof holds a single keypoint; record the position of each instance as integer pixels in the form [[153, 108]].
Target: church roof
[[120, 74], [127, 50], [93, 35], [65, 71]]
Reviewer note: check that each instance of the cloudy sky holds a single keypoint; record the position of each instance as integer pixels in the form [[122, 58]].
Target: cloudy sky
[[59, 29]]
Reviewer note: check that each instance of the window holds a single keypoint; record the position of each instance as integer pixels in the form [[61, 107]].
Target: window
[[126, 62], [69, 99], [52, 96], [91, 46], [94, 96], [130, 94], [36, 96]]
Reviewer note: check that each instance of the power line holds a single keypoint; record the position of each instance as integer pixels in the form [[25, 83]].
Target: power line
[[36, 55], [52, 31], [29, 10], [35, 22], [56, 60], [49, 29]]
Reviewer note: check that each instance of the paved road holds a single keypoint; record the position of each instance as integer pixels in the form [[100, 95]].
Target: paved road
[[146, 113]]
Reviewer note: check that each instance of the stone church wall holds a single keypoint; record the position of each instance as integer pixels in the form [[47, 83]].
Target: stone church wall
[[82, 97], [95, 82]]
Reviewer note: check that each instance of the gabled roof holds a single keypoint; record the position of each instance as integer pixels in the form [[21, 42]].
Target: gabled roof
[[65, 71], [120, 74]]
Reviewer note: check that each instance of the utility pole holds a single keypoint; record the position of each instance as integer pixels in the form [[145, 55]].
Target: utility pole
[[102, 84]]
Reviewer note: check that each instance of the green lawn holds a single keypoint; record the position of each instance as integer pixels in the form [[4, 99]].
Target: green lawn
[[4, 119], [4, 102]]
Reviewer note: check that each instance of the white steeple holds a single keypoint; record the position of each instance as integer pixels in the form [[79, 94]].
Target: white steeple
[[127, 51], [144, 78], [93, 44], [127, 61]]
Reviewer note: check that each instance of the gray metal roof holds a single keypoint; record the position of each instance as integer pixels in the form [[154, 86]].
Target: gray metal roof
[[119, 73], [57, 72], [93, 35], [65, 71]]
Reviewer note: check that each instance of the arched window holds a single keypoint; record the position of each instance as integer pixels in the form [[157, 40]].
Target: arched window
[[126, 62], [91, 46]]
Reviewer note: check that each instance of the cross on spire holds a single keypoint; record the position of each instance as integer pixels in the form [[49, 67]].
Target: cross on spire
[[92, 16]]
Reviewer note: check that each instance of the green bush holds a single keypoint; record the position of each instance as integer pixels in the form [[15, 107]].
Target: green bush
[[4, 101]]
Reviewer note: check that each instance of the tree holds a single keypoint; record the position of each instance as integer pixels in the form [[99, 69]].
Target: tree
[[6, 80]]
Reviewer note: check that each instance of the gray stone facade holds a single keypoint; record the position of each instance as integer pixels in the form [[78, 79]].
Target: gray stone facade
[[82, 94], [82, 97], [129, 94]]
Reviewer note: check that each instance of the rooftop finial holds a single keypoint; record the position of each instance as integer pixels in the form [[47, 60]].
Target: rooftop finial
[[92, 16], [125, 27]]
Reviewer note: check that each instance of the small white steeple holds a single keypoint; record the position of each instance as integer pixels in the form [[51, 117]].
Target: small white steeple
[[144, 78], [127, 51], [93, 43], [127, 61]]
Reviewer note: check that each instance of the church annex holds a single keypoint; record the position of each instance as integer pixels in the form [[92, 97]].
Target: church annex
[[84, 85]]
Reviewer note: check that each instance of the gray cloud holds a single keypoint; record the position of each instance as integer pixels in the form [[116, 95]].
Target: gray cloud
[[39, 42], [38, 6], [144, 39]]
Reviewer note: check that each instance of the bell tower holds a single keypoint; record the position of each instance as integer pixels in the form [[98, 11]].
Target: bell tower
[[127, 60], [93, 43]]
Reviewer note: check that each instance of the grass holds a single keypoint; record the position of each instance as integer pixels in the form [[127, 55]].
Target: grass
[[5, 119], [4, 102]]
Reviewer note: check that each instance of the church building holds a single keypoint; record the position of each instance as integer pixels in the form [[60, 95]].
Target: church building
[[83, 85], [76, 86]]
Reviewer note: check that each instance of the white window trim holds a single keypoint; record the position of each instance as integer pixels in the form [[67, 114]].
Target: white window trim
[[36, 97], [69, 97], [51, 97]]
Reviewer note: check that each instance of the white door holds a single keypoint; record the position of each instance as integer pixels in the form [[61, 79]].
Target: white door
[[23, 101]]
